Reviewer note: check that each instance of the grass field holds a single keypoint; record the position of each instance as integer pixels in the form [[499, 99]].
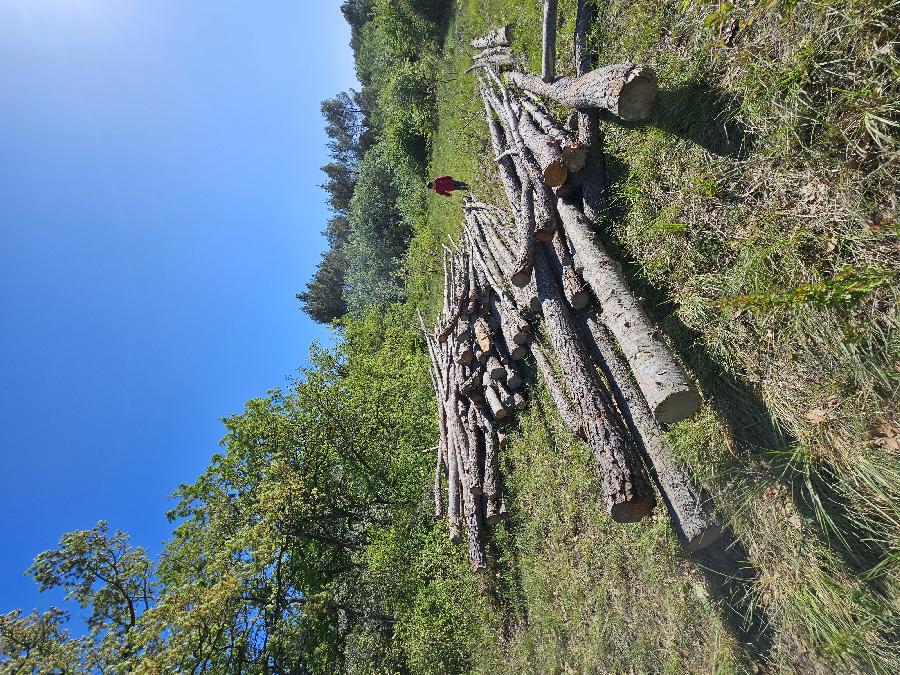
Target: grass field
[[757, 216]]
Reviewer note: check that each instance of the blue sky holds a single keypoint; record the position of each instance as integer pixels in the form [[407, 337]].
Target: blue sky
[[159, 209]]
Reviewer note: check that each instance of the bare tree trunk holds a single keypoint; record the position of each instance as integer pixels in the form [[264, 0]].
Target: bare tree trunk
[[563, 264], [593, 179], [548, 70], [560, 399], [498, 37], [521, 272], [667, 388], [505, 166], [692, 512], [544, 211], [626, 491], [624, 89], [573, 152]]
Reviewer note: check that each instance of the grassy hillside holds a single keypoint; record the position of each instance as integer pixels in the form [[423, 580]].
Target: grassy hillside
[[757, 215]]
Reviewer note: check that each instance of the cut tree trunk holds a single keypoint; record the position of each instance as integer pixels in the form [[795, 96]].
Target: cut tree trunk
[[491, 51], [560, 399], [667, 388], [438, 472], [627, 493], [521, 273], [692, 512], [544, 211], [498, 37], [494, 403], [548, 62], [545, 149], [593, 179], [505, 166], [624, 89], [563, 264], [573, 152]]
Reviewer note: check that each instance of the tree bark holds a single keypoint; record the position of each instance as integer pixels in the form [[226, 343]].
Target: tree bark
[[692, 512], [573, 152], [667, 388], [521, 273], [544, 211], [594, 181], [626, 491], [545, 149], [548, 61], [563, 264], [494, 403], [497, 37], [560, 399], [624, 89], [505, 165]]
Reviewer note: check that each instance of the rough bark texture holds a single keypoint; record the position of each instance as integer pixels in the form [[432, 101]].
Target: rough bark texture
[[498, 37], [667, 388], [692, 513], [594, 184], [574, 153], [626, 491], [521, 272], [548, 61], [624, 89], [546, 151], [563, 265], [505, 166], [544, 210], [563, 405]]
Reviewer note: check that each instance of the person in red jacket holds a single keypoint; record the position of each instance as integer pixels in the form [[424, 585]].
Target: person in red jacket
[[444, 185]]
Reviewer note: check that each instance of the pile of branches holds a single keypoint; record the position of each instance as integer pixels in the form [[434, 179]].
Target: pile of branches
[[536, 280]]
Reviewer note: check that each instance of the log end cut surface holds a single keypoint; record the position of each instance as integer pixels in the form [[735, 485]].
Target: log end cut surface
[[633, 510], [677, 407], [705, 538], [636, 98]]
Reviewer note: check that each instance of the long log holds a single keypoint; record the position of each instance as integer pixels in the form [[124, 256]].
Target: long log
[[545, 149], [563, 264], [593, 173], [491, 455], [560, 399], [521, 272], [491, 51], [624, 89], [667, 388], [471, 517], [544, 211], [497, 37], [548, 52], [627, 493], [505, 167], [438, 472], [496, 60], [574, 153], [692, 512]]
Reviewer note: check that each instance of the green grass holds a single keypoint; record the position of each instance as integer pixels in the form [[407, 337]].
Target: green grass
[[768, 171]]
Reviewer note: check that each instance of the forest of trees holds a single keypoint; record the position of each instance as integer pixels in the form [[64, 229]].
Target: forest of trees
[[379, 146], [307, 545]]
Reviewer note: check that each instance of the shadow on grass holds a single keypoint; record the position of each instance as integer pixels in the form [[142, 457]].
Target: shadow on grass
[[755, 433], [700, 113]]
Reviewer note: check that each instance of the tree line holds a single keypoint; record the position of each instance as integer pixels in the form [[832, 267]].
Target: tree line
[[307, 546], [379, 144]]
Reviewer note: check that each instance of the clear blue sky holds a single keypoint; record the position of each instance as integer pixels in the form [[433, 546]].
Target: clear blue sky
[[159, 209]]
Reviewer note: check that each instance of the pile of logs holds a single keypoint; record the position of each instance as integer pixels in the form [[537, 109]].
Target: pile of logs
[[536, 280]]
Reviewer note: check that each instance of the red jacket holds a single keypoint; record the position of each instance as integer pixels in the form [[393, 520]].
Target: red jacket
[[443, 185]]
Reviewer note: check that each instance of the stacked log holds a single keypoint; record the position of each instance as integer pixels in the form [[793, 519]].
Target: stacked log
[[475, 349], [611, 376]]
